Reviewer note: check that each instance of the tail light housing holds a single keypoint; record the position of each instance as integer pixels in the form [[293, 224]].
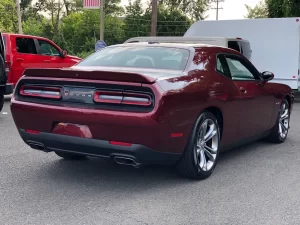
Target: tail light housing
[[124, 98], [40, 91], [7, 66]]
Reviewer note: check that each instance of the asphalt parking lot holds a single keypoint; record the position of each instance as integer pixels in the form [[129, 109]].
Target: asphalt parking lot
[[255, 184]]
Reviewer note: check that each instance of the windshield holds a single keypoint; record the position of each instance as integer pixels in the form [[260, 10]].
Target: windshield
[[139, 56]]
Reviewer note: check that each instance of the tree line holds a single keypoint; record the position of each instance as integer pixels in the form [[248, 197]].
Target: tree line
[[77, 29], [274, 9]]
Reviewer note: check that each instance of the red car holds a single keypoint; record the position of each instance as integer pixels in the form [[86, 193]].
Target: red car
[[25, 51], [151, 103]]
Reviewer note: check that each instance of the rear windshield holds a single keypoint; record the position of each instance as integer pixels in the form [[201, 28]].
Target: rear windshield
[[140, 57]]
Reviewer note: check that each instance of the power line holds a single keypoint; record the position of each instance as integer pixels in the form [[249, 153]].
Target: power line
[[217, 7]]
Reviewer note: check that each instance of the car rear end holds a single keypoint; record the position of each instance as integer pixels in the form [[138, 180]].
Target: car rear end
[[81, 114]]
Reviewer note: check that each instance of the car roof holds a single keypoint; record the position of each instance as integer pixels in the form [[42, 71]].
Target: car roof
[[23, 35]]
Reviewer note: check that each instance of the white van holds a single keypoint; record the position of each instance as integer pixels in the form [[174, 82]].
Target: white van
[[275, 43], [238, 44]]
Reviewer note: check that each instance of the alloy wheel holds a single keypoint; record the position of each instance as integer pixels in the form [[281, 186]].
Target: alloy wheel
[[206, 146], [284, 120]]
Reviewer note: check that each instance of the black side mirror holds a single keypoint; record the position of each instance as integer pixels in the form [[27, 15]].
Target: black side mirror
[[63, 53], [267, 76]]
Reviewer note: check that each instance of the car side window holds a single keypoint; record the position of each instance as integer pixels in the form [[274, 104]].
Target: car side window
[[221, 66], [238, 69], [48, 49], [26, 45]]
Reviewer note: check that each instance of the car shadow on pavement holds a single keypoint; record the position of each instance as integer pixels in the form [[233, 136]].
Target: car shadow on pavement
[[107, 175]]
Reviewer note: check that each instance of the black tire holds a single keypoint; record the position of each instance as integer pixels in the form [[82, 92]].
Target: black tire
[[275, 135], [186, 165], [1, 102], [70, 156]]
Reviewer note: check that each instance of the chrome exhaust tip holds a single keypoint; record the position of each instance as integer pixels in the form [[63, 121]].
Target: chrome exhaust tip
[[36, 146], [126, 161]]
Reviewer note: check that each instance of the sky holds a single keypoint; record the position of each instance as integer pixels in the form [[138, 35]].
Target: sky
[[232, 9]]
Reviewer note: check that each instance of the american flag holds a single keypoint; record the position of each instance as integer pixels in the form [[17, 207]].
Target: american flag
[[91, 4]]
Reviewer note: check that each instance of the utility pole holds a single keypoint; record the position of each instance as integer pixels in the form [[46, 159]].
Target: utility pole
[[217, 7], [102, 5], [154, 18], [19, 16]]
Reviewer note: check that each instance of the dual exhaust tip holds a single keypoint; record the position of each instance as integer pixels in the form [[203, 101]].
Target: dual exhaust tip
[[122, 160]]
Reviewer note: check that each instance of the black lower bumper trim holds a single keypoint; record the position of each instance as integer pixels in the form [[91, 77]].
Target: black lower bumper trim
[[100, 148], [6, 89]]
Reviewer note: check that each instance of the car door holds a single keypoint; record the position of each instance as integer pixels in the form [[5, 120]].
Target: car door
[[256, 103], [24, 56], [50, 55]]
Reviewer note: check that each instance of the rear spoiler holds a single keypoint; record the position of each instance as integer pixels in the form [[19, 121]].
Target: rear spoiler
[[90, 75]]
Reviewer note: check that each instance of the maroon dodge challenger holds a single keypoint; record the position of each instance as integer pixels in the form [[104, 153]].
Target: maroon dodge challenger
[[152, 103]]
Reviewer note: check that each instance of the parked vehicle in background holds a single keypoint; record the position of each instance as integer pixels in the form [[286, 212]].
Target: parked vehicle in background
[[241, 45], [24, 51], [141, 103], [5, 88], [274, 43]]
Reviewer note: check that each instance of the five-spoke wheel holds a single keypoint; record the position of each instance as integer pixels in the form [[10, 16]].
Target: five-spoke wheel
[[200, 156], [280, 130], [207, 145]]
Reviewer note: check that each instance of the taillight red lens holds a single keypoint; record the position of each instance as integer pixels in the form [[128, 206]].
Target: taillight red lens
[[127, 98], [7, 67], [40, 91]]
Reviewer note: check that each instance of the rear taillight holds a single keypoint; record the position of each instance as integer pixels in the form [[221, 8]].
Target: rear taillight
[[7, 67], [40, 91], [126, 98], [108, 97]]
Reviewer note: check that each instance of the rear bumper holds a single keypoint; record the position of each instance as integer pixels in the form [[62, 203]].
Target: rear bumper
[[54, 142], [151, 130], [6, 89]]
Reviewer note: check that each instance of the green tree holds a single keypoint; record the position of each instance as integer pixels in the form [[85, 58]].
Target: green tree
[[283, 8], [8, 16], [135, 23], [80, 30], [169, 23], [194, 9], [258, 11]]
